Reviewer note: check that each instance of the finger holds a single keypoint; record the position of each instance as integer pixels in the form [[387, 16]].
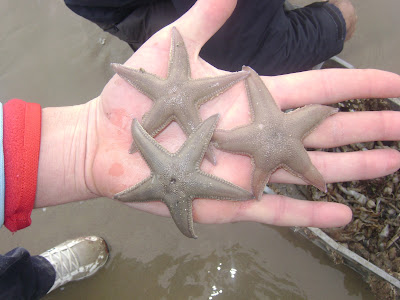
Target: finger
[[271, 209], [332, 86], [339, 167], [203, 20], [355, 127], [275, 210]]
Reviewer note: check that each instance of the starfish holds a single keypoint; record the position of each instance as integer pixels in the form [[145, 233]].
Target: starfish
[[274, 139], [178, 97], [176, 179]]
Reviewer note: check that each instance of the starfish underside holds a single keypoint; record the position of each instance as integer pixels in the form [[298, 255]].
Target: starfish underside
[[176, 179], [177, 97], [274, 139]]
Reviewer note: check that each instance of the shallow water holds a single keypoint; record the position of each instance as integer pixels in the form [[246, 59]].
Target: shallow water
[[51, 56]]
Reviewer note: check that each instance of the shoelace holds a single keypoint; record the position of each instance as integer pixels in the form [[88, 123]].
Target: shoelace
[[66, 263]]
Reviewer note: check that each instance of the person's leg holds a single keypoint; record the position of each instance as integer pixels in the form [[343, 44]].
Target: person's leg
[[131, 21], [23, 276], [298, 39], [262, 35], [314, 33], [244, 38], [272, 40]]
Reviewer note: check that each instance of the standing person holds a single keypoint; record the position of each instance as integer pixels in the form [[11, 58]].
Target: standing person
[[262, 34]]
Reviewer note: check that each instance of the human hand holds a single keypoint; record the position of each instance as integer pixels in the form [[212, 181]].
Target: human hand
[[113, 169]]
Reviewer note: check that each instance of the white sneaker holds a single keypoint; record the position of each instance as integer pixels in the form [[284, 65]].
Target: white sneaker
[[76, 259]]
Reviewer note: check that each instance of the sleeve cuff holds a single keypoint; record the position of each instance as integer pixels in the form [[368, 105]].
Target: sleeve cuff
[[22, 125]]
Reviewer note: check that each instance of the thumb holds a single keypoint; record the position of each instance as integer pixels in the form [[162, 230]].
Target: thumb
[[203, 20]]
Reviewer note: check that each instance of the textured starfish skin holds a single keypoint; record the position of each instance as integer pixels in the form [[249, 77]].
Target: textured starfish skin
[[176, 179], [177, 97], [274, 139]]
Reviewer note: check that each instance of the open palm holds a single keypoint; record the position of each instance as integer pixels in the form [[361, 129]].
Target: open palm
[[114, 169]]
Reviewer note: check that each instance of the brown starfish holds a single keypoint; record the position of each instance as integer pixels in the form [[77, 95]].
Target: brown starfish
[[177, 97], [176, 179], [274, 139]]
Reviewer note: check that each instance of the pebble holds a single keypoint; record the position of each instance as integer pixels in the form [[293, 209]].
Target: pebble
[[388, 190], [371, 204], [392, 253], [385, 232]]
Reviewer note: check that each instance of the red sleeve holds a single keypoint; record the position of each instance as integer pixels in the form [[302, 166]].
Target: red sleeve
[[21, 130]]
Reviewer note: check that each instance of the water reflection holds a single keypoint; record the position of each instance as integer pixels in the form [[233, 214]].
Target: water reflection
[[237, 273]]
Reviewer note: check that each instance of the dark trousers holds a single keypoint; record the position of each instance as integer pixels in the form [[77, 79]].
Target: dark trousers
[[263, 35], [23, 276]]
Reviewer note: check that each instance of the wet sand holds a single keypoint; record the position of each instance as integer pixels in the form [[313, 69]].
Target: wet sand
[[51, 56]]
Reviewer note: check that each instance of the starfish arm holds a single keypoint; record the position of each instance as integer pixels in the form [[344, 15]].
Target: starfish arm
[[147, 190], [259, 179], [209, 186], [147, 83], [197, 143], [189, 120], [133, 148], [179, 66], [210, 155], [156, 119], [204, 89], [304, 120], [152, 152], [262, 104], [152, 125], [234, 140], [298, 163], [180, 208]]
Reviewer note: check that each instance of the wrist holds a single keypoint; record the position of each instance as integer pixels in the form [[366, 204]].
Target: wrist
[[66, 155]]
